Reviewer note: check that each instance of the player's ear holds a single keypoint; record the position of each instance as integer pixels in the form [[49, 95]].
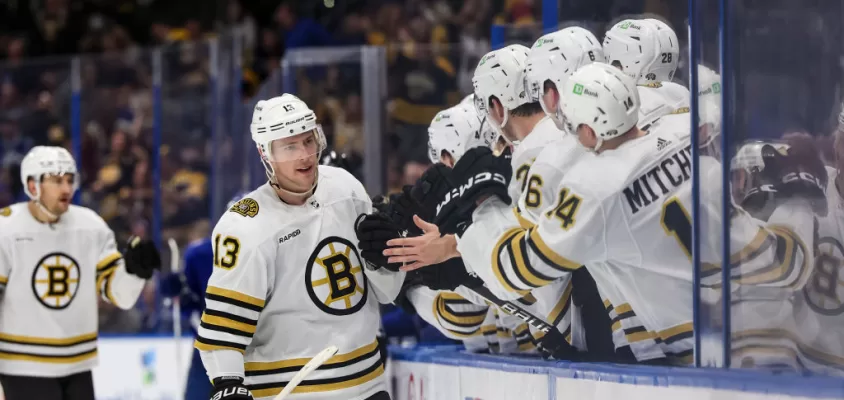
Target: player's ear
[[30, 186], [496, 110]]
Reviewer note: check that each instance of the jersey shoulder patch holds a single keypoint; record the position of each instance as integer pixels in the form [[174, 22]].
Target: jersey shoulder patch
[[246, 207], [5, 211], [655, 85]]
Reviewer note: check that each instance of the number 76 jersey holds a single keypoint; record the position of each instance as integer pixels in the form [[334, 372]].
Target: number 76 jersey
[[624, 214]]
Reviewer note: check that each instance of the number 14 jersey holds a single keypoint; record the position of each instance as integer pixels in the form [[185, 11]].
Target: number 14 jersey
[[624, 214]]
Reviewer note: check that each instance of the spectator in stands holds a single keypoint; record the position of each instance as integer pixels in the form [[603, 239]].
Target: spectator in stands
[[299, 30]]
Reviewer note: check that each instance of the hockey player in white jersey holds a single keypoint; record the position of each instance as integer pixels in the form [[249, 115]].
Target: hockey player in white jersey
[[648, 51], [621, 209], [56, 260], [288, 280], [552, 60]]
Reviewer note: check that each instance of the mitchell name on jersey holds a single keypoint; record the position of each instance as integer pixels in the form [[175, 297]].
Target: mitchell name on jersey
[[52, 275], [288, 281]]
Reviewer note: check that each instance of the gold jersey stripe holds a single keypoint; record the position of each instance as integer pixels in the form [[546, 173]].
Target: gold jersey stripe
[[4, 280], [212, 347], [228, 323], [48, 359], [231, 294], [107, 260], [545, 252], [497, 268], [326, 387], [300, 362], [523, 222], [61, 342]]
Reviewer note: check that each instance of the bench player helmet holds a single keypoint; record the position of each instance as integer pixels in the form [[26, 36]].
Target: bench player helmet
[[633, 46], [500, 74], [455, 130], [554, 57], [663, 67], [603, 98], [279, 118]]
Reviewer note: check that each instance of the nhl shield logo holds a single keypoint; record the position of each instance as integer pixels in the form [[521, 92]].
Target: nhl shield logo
[[334, 277], [55, 280]]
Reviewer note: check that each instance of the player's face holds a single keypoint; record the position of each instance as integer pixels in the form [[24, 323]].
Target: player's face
[[57, 192], [295, 160]]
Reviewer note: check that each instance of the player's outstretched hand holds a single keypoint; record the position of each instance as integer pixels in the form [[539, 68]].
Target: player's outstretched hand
[[230, 388], [479, 174], [421, 251], [142, 257], [373, 232]]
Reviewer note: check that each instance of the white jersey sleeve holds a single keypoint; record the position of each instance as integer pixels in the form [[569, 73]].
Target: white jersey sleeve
[[542, 135], [659, 99], [544, 174], [454, 316], [114, 284], [236, 295]]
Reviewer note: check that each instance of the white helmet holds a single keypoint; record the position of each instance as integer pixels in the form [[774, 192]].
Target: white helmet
[[500, 74], [662, 69], [278, 118], [456, 130], [554, 57], [46, 160], [633, 46], [603, 98]]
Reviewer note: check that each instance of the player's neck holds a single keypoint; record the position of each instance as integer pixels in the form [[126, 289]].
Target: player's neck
[[293, 199], [39, 214], [521, 127], [615, 143]]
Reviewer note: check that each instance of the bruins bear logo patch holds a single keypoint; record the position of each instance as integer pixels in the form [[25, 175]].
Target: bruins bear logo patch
[[246, 207]]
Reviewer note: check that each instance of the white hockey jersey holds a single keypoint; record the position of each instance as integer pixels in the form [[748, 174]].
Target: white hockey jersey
[[820, 306], [659, 99], [624, 212], [52, 275], [543, 134], [288, 281]]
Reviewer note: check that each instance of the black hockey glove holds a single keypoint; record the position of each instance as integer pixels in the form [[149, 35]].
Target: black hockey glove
[[373, 232], [447, 275], [799, 173], [402, 208], [230, 388], [430, 188], [142, 257], [478, 174]]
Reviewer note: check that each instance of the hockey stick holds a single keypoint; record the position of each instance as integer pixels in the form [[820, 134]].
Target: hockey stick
[[552, 334], [177, 307], [315, 362]]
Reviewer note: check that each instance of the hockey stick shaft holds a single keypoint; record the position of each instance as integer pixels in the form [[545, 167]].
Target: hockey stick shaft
[[551, 331], [313, 364]]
